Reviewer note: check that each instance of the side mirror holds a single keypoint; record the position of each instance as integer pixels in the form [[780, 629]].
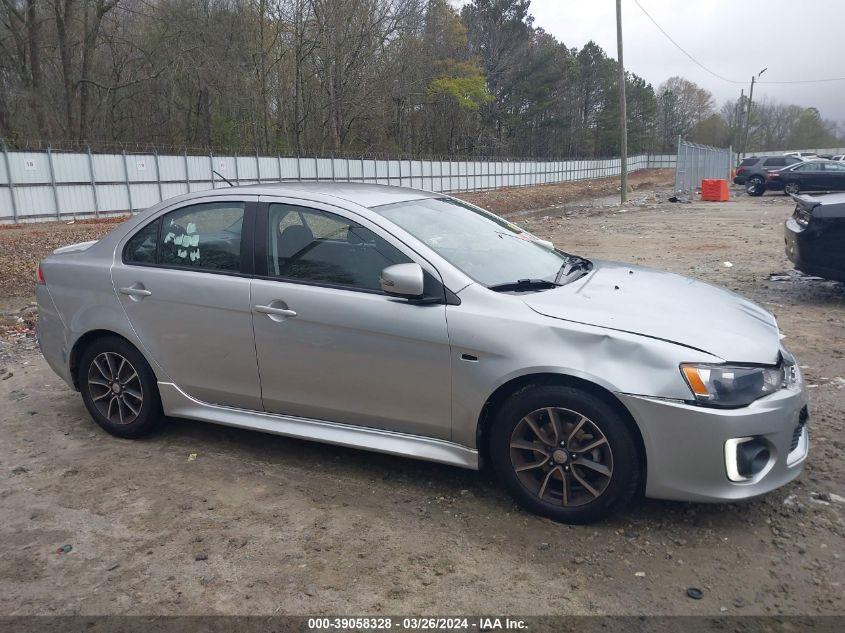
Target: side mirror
[[403, 280]]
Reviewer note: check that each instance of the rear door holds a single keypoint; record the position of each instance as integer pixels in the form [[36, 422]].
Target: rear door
[[331, 345], [183, 281]]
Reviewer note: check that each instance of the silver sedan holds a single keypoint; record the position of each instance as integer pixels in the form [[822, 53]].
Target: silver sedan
[[412, 323]]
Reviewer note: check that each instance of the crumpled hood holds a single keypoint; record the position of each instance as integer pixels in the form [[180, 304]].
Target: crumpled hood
[[666, 306]]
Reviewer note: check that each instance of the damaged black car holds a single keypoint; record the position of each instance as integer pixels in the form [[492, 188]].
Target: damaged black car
[[815, 235]]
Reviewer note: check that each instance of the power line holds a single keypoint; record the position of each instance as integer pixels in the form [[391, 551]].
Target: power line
[[723, 78]]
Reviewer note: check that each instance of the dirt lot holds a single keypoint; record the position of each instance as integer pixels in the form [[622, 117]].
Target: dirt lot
[[263, 524]]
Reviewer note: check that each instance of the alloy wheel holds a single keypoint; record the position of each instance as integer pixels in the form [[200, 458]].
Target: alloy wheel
[[791, 188], [115, 388], [561, 456]]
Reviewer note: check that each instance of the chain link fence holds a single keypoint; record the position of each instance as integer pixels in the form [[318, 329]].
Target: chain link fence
[[49, 184], [696, 162]]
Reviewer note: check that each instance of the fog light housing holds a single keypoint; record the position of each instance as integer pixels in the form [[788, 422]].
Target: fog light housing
[[746, 458]]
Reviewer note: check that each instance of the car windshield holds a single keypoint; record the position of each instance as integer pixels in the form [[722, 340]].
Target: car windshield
[[487, 248]]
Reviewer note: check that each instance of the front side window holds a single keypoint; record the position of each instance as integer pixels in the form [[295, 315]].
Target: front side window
[[318, 247], [837, 167], [809, 167], [485, 247]]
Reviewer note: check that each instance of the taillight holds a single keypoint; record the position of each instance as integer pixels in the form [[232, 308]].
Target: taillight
[[801, 215], [740, 170], [39, 276]]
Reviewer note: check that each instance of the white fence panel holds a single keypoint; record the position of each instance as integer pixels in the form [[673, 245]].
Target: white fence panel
[[45, 185]]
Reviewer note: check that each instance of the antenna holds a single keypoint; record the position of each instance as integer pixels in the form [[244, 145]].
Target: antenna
[[229, 182]]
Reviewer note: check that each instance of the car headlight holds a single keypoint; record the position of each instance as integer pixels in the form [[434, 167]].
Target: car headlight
[[732, 385]]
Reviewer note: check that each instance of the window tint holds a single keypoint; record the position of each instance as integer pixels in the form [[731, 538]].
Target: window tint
[[834, 167], [778, 161], [747, 162], [203, 236], [320, 247], [809, 167], [791, 160], [141, 247]]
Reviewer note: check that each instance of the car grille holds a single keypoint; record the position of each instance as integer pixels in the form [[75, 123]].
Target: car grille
[[796, 433]]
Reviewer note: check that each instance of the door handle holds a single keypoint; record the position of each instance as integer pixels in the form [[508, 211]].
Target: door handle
[[134, 291], [273, 311]]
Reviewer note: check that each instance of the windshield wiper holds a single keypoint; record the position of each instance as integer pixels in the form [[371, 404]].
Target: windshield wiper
[[524, 285], [572, 264]]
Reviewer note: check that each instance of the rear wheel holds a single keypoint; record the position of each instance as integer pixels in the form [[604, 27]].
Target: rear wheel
[[791, 188], [564, 454], [119, 388], [755, 186]]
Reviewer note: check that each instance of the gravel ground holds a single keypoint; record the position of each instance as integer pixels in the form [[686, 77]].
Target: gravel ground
[[261, 524]]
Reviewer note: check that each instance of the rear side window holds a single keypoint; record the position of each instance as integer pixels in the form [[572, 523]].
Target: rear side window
[[205, 236], [778, 161], [315, 246], [747, 162], [141, 249], [201, 236]]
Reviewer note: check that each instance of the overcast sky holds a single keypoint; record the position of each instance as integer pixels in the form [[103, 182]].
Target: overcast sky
[[795, 39]]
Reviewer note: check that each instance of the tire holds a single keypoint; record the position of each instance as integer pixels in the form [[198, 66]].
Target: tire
[[575, 502], [131, 409], [755, 186], [791, 188]]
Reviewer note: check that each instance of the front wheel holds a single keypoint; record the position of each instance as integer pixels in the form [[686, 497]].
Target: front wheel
[[791, 188], [755, 186], [564, 454], [119, 388]]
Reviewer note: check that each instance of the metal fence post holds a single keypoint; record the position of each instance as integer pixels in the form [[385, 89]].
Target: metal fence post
[[158, 176], [187, 174], [237, 171], [53, 183], [677, 164], [363, 179], [257, 166], [93, 183], [211, 168], [11, 183], [126, 179]]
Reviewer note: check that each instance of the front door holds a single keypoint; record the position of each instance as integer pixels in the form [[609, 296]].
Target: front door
[[182, 285], [331, 345]]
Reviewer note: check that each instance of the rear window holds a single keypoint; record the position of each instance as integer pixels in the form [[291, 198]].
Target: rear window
[[747, 162]]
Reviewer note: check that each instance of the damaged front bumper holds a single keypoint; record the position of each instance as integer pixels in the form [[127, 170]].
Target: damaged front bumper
[[691, 450]]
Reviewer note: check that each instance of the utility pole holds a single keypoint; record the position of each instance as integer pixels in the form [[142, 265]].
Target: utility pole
[[623, 115], [748, 115], [737, 122]]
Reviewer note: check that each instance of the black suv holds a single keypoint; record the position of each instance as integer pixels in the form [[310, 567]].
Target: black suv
[[752, 171]]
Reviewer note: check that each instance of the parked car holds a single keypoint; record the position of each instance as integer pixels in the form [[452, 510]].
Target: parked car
[[802, 155], [839, 157], [752, 171], [815, 235], [412, 323], [813, 175]]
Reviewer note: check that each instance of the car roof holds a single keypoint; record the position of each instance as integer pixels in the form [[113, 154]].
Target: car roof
[[364, 194]]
